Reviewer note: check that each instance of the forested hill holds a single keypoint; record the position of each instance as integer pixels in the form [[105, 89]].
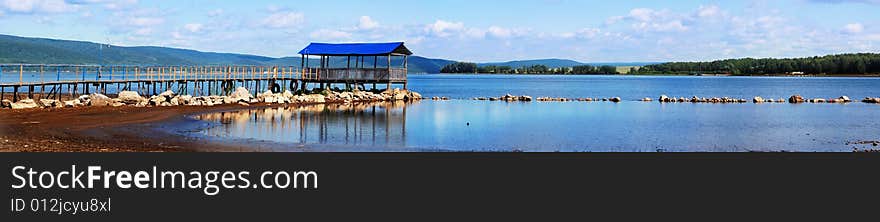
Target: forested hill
[[842, 64]]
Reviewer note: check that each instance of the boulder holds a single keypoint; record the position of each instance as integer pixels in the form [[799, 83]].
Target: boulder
[[84, 99], [49, 103], [415, 95], [287, 94], [646, 99], [240, 94], [167, 94], [521, 98], [5, 103], [845, 99], [157, 100], [97, 99], [24, 104], [130, 97], [72, 103], [175, 101], [758, 99], [663, 99], [615, 99], [398, 95], [796, 99]]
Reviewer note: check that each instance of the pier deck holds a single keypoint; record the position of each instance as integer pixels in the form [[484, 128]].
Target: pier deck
[[53, 80]]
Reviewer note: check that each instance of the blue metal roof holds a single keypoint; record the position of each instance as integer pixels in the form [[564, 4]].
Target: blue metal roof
[[355, 49]]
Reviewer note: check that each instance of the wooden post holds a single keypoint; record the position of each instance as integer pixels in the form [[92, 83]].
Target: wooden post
[[388, 86]]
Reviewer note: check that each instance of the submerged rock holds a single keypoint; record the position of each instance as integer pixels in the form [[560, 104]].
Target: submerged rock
[[758, 99], [796, 99], [663, 99]]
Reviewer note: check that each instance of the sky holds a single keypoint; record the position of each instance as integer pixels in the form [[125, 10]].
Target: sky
[[468, 30]]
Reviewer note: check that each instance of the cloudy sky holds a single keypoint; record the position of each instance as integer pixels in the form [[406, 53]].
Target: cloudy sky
[[471, 30]]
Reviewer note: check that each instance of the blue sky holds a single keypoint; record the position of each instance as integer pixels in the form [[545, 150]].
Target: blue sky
[[472, 30]]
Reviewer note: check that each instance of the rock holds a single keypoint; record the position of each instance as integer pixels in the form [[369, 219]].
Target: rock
[[72, 103], [399, 95], [269, 99], [615, 99], [157, 100], [758, 99], [24, 104], [663, 99], [130, 97], [646, 99], [5, 103], [845, 99], [98, 99], [415, 95], [243, 104], [167, 94], [241, 94], [117, 104], [49, 103], [818, 100], [521, 98], [175, 101], [796, 99]]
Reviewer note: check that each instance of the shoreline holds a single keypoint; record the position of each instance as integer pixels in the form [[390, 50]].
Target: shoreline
[[104, 129]]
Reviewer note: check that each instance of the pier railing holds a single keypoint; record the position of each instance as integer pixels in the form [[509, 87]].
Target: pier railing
[[355, 74], [44, 74], [30, 74]]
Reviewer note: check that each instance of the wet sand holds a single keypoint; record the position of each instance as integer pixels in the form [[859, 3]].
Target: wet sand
[[104, 129]]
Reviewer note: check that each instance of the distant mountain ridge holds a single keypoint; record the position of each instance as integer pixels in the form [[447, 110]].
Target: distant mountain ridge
[[14, 49]]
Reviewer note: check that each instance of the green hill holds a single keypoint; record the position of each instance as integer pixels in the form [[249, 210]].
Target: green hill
[[14, 49]]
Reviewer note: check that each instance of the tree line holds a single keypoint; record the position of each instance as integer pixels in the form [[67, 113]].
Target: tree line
[[861, 63], [468, 67]]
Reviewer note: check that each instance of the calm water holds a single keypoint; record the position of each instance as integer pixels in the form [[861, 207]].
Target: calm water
[[466, 125]]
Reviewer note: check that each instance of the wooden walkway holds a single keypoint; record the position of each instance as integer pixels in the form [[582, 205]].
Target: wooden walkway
[[54, 80]]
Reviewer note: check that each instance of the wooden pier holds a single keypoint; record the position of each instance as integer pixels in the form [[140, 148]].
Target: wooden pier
[[55, 80]]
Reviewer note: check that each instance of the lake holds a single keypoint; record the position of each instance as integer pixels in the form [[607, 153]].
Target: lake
[[463, 124]]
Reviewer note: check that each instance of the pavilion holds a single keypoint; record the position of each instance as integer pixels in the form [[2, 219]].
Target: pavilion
[[355, 64]]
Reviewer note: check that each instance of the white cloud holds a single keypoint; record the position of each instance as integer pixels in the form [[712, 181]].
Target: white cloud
[[327, 34], [367, 23], [854, 28], [709, 11], [499, 32], [283, 20], [443, 28], [193, 27], [646, 19], [145, 21], [36, 6]]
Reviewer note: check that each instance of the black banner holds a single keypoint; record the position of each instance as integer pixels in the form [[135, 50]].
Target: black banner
[[416, 186]]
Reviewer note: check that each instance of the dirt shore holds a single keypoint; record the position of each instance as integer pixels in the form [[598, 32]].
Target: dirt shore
[[102, 129]]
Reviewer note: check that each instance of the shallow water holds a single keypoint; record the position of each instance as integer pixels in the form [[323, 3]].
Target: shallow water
[[467, 125]]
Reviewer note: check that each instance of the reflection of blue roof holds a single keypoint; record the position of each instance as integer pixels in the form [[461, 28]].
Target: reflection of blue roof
[[355, 49]]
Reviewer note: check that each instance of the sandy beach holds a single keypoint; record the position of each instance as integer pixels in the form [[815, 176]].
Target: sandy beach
[[102, 129]]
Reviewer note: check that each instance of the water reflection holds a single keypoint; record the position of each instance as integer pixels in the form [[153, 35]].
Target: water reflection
[[369, 124]]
